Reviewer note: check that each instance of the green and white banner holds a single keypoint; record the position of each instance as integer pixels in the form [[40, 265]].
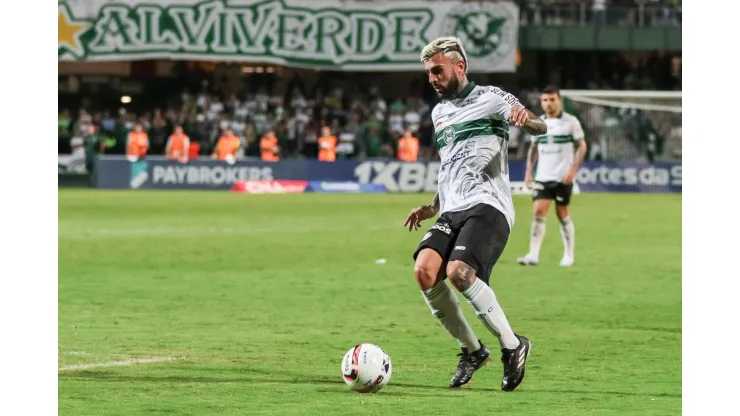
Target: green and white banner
[[341, 35]]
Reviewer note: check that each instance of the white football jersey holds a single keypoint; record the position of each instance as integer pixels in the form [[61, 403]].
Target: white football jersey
[[556, 148], [471, 132]]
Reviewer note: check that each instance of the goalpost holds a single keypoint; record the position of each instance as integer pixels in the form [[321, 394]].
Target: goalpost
[[630, 126]]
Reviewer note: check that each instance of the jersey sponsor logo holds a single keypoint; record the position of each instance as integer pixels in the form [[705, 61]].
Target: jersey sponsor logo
[[460, 248], [458, 156], [445, 228]]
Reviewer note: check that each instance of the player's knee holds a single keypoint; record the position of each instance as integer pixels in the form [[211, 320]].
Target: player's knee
[[540, 210], [452, 267], [461, 275], [562, 212], [425, 275]]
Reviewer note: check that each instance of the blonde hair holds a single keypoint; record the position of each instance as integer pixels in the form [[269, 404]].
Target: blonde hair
[[451, 46]]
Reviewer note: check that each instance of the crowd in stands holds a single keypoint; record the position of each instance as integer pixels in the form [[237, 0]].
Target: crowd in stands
[[233, 125], [329, 123]]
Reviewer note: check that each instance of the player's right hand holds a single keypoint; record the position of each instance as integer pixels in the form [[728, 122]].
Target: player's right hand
[[518, 116], [528, 180], [417, 215]]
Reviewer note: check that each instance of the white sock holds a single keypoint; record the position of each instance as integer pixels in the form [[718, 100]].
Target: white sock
[[538, 234], [568, 233], [483, 300], [445, 307]]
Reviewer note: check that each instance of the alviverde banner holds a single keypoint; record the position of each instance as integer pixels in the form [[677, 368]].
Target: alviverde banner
[[341, 35]]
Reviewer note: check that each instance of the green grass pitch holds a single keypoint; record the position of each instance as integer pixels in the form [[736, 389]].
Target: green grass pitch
[[259, 296]]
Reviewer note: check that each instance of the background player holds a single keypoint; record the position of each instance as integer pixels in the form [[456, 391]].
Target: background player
[[471, 127], [556, 169]]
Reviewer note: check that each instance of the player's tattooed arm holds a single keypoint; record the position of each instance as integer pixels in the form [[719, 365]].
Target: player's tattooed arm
[[527, 120], [463, 277], [534, 125], [435, 202]]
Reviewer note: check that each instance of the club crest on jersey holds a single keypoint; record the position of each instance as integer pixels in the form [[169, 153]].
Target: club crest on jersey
[[449, 134]]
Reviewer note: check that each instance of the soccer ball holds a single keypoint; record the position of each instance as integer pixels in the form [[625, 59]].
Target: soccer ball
[[366, 368]]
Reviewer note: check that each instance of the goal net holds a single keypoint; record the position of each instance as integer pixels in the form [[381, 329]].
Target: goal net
[[631, 126]]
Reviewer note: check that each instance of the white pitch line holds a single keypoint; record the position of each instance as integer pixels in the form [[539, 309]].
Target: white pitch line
[[132, 361]]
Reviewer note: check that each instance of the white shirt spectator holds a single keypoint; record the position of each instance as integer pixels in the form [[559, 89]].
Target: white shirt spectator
[[279, 113], [396, 124], [298, 103], [84, 121], [291, 126], [241, 110], [412, 119], [260, 122], [238, 127], [224, 124], [216, 108], [252, 105], [76, 143], [379, 108], [202, 100], [262, 101]]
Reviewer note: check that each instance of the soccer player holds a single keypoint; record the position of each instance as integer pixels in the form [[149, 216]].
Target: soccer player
[[556, 170], [473, 196]]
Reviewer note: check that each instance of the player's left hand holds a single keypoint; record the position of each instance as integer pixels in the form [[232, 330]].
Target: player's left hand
[[518, 116], [569, 177]]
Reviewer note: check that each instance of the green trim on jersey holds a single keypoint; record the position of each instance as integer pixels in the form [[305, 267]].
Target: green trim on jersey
[[466, 91], [555, 138], [465, 130]]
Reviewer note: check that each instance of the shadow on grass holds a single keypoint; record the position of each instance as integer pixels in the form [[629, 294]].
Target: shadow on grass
[[258, 376]]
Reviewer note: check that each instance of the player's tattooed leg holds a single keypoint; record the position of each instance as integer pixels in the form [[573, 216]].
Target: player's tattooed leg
[[461, 275]]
